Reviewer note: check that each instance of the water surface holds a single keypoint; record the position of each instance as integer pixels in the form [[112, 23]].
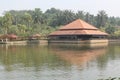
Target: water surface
[[59, 62]]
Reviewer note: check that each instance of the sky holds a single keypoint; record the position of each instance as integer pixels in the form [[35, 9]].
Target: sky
[[112, 7]]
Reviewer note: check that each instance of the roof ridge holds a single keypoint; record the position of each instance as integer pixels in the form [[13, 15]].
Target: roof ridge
[[81, 22]]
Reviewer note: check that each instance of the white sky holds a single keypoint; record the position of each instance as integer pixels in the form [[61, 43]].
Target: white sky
[[112, 7]]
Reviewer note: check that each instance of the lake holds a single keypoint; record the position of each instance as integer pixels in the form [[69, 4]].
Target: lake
[[59, 62]]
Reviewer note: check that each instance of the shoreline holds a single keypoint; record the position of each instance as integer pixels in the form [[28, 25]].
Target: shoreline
[[25, 42], [46, 42]]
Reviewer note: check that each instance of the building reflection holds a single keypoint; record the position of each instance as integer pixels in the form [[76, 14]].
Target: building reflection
[[52, 56], [77, 54]]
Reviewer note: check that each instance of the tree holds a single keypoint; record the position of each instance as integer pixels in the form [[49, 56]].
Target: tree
[[110, 30], [1, 21], [81, 15], [13, 29], [7, 22], [68, 16], [52, 15], [28, 19], [87, 18], [102, 19], [35, 21], [112, 21], [21, 28], [37, 16], [63, 18], [117, 33]]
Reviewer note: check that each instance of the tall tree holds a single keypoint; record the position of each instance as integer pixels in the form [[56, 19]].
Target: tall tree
[[68, 16], [102, 19], [51, 16], [7, 22], [81, 15], [87, 18], [0, 21], [37, 16], [28, 19], [63, 18]]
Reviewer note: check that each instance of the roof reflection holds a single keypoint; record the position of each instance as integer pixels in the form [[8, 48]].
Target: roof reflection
[[76, 54]]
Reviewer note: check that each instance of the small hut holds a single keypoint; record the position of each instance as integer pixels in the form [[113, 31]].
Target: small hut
[[77, 30], [12, 36], [8, 37]]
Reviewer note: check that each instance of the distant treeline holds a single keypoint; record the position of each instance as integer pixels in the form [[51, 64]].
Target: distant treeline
[[27, 22]]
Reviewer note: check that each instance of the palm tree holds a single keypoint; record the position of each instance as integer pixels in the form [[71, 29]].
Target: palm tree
[[37, 16], [102, 19], [81, 15]]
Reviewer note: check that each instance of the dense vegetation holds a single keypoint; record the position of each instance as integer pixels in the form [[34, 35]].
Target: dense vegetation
[[27, 22]]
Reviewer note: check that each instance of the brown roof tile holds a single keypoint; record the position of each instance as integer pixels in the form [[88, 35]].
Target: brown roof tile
[[78, 27], [78, 32], [78, 24]]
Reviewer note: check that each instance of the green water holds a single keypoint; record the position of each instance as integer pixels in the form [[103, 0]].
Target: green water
[[59, 62]]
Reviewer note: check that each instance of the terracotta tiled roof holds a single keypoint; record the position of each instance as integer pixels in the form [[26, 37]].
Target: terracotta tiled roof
[[78, 32], [78, 24], [78, 27]]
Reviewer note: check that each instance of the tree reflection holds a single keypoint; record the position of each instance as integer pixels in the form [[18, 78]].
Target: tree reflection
[[56, 56], [14, 56]]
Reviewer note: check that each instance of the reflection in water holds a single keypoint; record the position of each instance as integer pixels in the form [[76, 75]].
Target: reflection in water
[[59, 62], [53, 56], [27, 56], [76, 54]]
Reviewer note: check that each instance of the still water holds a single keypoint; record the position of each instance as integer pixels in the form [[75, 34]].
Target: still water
[[59, 62]]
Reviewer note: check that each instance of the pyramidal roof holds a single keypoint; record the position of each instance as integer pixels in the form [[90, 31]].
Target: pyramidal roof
[[78, 24], [78, 27]]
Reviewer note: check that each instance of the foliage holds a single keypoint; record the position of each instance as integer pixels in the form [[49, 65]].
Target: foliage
[[6, 22], [27, 22], [110, 29], [102, 19]]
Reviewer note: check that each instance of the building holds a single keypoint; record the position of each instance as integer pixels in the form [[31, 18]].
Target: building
[[78, 30]]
